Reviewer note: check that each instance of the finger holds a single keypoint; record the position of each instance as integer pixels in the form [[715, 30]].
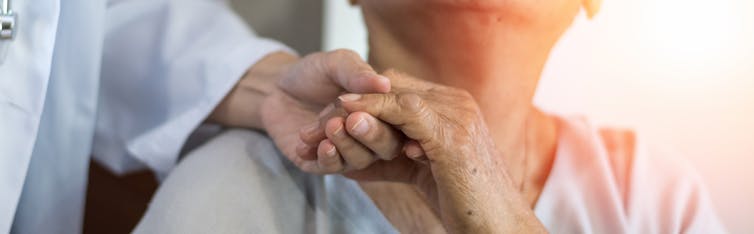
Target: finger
[[355, 155], [407, 112], [401, 82], [413, 150], [306, 152], [320, 77], [314, 133], [328, 158], [308, 166], [381, 138], [351, 72]]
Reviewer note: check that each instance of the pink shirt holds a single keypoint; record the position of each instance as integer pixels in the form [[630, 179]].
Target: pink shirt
[[608, 181]]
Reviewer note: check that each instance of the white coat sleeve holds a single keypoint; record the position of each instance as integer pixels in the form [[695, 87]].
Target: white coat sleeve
[[166, 65]]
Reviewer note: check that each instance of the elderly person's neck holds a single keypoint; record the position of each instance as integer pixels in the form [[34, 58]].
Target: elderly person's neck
[[496, 59]]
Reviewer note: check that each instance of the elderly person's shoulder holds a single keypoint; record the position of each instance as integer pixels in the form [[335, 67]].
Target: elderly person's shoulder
[[608, 180]]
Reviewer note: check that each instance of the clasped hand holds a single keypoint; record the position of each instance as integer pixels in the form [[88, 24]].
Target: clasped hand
[[424, 134], [331, 113]]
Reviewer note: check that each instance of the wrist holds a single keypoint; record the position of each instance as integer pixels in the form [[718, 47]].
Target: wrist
[[241, 107]]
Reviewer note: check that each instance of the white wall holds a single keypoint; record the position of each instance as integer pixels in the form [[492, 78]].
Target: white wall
[[343, 27], [679, 71]]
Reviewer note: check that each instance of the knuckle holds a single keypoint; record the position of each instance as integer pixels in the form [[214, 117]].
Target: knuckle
[[466, 108], [343, 54], [315, 56], [460, 94], [330, 62], [466, 115], [469, 103], [463, 93], [319, 60], [410, 102], [455, 92], [391, 72], [383, 103], [334, 58]]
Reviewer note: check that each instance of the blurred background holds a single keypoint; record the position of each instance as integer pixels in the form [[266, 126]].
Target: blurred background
[[681, 72]]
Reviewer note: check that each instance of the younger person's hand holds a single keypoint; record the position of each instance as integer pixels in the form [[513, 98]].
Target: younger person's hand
[[460, 171], [342, 142], [305, 86]]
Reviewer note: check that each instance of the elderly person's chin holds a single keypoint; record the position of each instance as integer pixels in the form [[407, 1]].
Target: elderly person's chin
[[518, 11], [446, 41]]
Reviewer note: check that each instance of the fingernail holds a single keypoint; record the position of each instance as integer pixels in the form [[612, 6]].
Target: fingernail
[[349, 97], [360, 128], [331, 152], [337, 131]]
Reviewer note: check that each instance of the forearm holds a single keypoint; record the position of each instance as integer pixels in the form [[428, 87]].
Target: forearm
[[487, 203], [404, 207], [242, 106]]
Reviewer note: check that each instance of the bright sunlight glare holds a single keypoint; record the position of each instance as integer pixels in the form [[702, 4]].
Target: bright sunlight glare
[[692, 28]]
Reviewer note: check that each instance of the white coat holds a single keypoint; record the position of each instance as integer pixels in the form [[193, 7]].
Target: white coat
[[126, 81]]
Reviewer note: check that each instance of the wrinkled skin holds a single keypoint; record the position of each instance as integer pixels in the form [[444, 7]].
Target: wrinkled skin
[[459, 171], [305, 88]]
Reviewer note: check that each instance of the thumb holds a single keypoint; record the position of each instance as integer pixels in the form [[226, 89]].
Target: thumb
[[321, 77]]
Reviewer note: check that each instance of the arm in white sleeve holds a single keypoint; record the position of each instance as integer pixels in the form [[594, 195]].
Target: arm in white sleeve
[[166, 65]]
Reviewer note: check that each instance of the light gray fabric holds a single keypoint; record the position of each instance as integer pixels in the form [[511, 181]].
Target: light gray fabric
[[239, 183], [600, 182]]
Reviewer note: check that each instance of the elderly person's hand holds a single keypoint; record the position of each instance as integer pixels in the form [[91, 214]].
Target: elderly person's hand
[[305, 88], [460, 171]]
